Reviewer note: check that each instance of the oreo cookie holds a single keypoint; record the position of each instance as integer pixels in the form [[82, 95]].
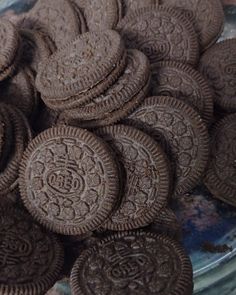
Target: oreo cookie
[[162, 33], [146, 177], [134, 261], [81, 70], [69, 180], [221, 170], [20, 92], [217, 65], [10, 48], [31, 258], [182, 134], [55, 19], [207, 16], [183, 82]]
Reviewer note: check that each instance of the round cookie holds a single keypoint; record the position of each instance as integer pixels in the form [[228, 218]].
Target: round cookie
[[208, 17], [130, 5], [19, 92], [55, 18], [17, 143], [217, 65], [162, 33], [31, 258], [80, 65], [182, 134], [183, 82], [137, 262], [9, 49], [221, 171], [35, 49], [110, 118], [69, 180], [127, 86], [147, 177], [101, 14]]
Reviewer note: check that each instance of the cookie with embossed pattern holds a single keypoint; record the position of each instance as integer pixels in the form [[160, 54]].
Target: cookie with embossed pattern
[[69, 180], [183, 82], [208, 17], [82, 70], [146, 177], [101, 14], [162, 33], [81, 18], [182, 134], [9, 49], [221, 171], [133, 263], [19, 136], [55, 18], [31, 258], [109, 118], [131, 81], [218, 66], [20, 92]]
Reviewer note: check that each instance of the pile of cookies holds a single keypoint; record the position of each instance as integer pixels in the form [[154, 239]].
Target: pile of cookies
[[110, 110]]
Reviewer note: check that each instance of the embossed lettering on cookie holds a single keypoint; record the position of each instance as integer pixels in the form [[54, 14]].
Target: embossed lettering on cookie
[[31, 259], [134, 263], [69, 180]]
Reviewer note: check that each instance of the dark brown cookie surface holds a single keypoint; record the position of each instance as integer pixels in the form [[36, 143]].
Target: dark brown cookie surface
[[221, 172], [181, 133], [127, 86], [10, 41], [101, 14], [162, 33], [68, 180], [146, 177], [130, 5], [20, 92], [55, 18], [217, 65], [31, 258], [80, 65], [208, 18], [133, 263], [185, 83]]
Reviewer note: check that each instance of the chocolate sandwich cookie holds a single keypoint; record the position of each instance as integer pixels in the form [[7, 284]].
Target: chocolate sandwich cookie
[[80, 17], [35, 49], [101, 14], [69, 180], [16, 143], [9, 49], [130, 5], [31, 258], [182, 134], [146, 177], [221, 171], [162, 33], [55, 18], [183, 82], [137, 262], [136, 73], [208, 17], [117, 115], [81, 70], [20, 92], [217, 65], [167, 223]]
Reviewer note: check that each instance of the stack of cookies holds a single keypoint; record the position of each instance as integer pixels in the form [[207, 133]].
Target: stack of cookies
[[130, 105]]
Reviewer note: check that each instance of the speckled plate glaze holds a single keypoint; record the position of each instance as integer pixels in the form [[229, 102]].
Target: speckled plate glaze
[[206, 220]]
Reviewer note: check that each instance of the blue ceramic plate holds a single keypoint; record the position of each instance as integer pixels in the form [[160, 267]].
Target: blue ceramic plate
[[206, 222]]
